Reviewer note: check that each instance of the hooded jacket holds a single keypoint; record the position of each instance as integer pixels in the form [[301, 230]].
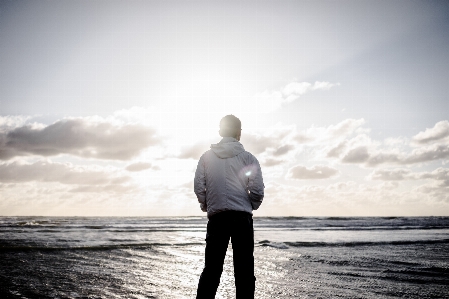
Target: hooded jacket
[[228, 178]]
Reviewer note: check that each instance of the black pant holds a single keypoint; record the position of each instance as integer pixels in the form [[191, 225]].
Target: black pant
[[239, 227]]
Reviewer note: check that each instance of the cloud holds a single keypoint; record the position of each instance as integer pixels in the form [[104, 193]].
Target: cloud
[[439, 132], [113, 188], [283, 150], [272, 162], [315, 172], [336, 151], [390, 174], [398, 174], [341, 186], [194, 152], [294, 90], [395, 142], [331, 133], [345, 127], [64, 173], [362, 150], [432, 146], [9, 122], [436, 191], [257, 144], [268, 101], [302, 137], [356, 155], [388, 185], [420, 155], [83, 137], [426, 154], [438, 174], [139, 166], [283, 139], [344, 198], [334, 142]]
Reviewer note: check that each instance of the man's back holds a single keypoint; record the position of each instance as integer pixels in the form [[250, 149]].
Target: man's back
[[228, 178]]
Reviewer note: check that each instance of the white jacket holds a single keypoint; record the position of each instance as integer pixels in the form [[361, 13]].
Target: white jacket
[[228, 178]]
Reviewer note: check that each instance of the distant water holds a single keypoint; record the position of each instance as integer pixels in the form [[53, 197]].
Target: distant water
[[127, 257]]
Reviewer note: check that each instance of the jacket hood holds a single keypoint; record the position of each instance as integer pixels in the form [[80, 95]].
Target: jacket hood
[[228, 147]]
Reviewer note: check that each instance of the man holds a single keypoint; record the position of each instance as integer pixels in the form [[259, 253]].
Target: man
[[229, 186]]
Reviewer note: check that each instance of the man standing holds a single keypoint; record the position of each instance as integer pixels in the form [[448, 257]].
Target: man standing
[[229, 186]]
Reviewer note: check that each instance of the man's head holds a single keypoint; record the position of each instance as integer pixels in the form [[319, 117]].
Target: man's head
[[230, 126]]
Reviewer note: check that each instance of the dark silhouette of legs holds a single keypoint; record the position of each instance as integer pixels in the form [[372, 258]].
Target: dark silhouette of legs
[[237, 226]]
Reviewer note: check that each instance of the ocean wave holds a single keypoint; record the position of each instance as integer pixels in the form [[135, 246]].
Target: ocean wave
[[92, 247], [110, 228], [33, 223], [422, 271], [278, 245], [349, 228], [366, 243], [285, 245], [95, 226], [423, 227]]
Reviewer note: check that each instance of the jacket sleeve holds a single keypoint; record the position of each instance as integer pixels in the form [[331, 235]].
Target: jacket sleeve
[[255, 185], [199, 184]]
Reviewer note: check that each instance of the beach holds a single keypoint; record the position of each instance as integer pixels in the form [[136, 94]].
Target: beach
[[295, 257]]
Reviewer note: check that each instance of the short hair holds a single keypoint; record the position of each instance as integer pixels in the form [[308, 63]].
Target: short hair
[[230, 126]]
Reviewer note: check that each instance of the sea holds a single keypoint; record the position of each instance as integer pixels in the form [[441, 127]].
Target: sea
[[295, 257]]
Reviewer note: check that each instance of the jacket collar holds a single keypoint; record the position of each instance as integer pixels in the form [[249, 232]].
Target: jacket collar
[[228, 139]]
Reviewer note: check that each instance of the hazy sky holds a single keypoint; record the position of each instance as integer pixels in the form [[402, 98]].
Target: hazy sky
[[106, 106]]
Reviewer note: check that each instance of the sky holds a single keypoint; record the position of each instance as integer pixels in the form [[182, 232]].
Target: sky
[[106, 106]]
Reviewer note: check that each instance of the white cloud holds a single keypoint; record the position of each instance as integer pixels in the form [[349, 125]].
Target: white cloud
[[304, 137], [426, 154], [112, 188], [9, 122], [282, 150], [332, 133], [437, 174], [356, 155], [341, 187], [64, 173], [434, 191], [282, 140], [345, 127], [438, 133], [336, 151], [388, 185], [397, 174], [390, 174], [272, 162], [194, 151], [430, 145], [392, 151], [300, 172], [268, 101], [257, 144], [139, 166], [83, 137], [420, 155], [395, 142], [351, 198], [294, 90]]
